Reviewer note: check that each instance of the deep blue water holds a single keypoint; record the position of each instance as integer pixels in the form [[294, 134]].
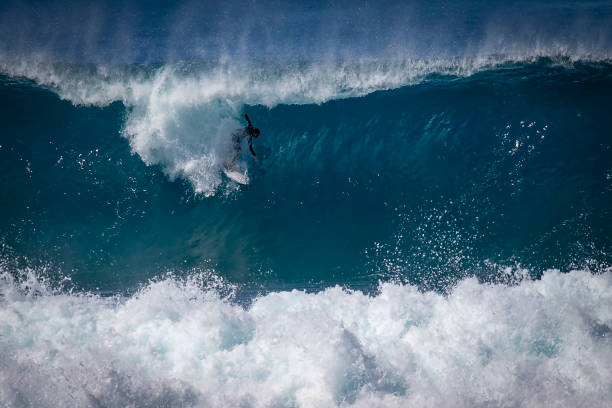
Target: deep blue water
[[429, 223], [427, 183]]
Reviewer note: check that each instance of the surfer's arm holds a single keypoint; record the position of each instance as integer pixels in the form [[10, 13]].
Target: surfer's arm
[[252, 151], [248, 120]]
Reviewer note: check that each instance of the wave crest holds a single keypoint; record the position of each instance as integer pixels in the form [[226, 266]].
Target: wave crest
[[180, 115]]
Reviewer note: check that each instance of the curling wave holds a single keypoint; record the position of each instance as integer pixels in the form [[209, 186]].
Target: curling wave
[[180, 115]]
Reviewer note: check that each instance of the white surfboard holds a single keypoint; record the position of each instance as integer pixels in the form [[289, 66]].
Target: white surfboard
[[236, 175]]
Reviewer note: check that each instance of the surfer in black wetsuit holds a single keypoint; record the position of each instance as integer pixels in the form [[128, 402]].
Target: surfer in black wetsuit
[[249, 132]]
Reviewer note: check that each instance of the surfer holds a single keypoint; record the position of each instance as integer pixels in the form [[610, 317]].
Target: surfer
[[249, 132]]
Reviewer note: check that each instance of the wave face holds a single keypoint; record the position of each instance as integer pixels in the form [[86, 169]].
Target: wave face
[[429, 223], [441, 226], [476, 165]]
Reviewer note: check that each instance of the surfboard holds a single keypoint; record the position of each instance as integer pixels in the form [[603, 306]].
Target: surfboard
[[236, 175]]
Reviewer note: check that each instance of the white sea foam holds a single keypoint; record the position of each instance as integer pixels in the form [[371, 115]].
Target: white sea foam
[[537, 343], [180, 115]]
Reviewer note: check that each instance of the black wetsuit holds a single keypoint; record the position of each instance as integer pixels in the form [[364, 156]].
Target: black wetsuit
[[240, 134], [237, 137]]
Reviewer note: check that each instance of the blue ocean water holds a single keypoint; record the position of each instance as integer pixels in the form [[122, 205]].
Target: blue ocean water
[[429, 223], [427, 183]]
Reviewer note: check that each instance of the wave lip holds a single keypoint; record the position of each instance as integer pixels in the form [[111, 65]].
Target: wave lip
[[262, 82], [538, 343]]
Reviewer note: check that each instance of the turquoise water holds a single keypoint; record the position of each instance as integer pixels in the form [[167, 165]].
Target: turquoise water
[[393, 246], [429, 224], [427, 183]]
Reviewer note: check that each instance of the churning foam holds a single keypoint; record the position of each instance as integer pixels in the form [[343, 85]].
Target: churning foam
[[538, 343], [180, 115]]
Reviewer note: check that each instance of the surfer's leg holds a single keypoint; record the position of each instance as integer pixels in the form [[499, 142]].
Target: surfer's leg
[[237, 149], [231, 162]]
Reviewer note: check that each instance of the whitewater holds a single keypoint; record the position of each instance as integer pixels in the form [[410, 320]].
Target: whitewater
[[176, 343]]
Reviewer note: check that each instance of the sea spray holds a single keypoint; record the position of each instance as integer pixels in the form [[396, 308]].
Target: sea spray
[[177, 343]]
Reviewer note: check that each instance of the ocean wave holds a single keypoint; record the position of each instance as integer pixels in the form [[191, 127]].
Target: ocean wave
[[535, 343], [258, 82], [509, 165], [180, 115]]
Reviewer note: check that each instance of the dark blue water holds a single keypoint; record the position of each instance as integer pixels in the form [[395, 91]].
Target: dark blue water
[[426, 183], [428, 224]]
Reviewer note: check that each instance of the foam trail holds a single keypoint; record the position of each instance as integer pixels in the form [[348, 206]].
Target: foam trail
[[539, 343]]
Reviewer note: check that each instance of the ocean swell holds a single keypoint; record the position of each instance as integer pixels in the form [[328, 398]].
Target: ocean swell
[[180, 115]]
